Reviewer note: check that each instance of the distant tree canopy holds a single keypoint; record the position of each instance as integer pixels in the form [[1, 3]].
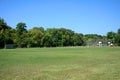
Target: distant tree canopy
[[21, 34], [5, 36], [51, 37], [117, 39], [111, 35], [3, 25]]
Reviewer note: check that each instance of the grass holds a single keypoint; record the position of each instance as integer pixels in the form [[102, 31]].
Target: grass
[[60, 64]]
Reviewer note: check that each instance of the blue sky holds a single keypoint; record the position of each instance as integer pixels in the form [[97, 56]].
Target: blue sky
[[81, 16]]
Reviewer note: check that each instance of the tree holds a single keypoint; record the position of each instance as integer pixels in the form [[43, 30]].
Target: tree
[[77, 40], [3, 25], [118, 31], [4, 33], [21, 27], [36, 37], [48, 38], [111, 36], [54, 37], [21, 34], [117, 39]]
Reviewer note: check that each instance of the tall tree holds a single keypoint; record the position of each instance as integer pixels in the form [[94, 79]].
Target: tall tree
[[21, 27], [118, 31], [118, 37], [4, 33], [21, 34], [111, 35], [3, 25]]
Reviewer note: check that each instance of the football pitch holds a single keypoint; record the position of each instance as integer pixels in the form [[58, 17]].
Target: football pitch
[[68, 63]]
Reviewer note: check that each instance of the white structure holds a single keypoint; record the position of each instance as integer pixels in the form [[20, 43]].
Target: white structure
[[100, 44], [109, 43]]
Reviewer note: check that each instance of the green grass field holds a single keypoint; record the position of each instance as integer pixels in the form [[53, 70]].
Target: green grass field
[[60, 64]]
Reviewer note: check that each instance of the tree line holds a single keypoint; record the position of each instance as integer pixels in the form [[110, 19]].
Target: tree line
[[51, 37]]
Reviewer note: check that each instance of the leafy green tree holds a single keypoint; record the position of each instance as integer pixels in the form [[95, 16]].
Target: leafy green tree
[[118, 40], [111, 35], [21, 27], [36, 37], [47, 39], [118, 31], [62, 37], [78, 40], [21, 32], [118, 37], [12, 34], [4, 33], [3, 25]]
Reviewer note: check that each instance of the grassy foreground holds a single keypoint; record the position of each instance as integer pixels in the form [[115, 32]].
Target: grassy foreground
[[60, 64]]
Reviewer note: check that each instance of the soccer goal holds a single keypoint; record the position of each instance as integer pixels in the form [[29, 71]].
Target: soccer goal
[[10, 46]]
